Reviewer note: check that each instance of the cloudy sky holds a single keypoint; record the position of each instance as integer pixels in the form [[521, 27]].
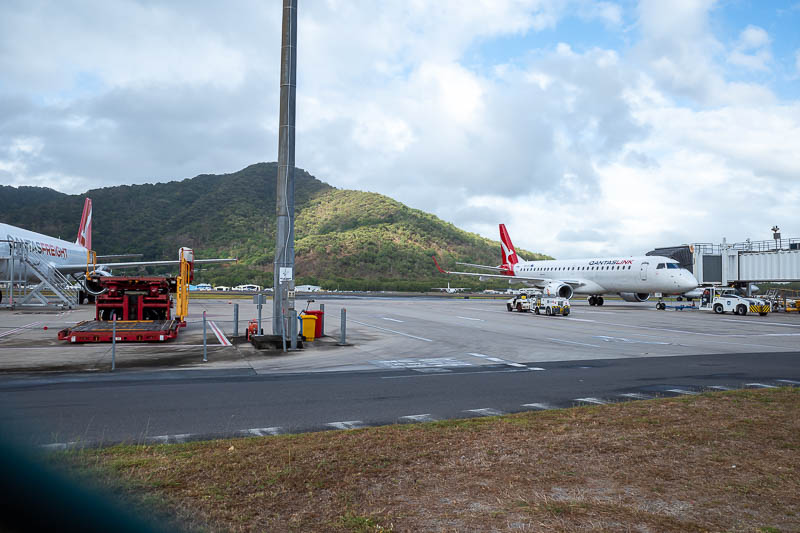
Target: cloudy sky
[[588, 127]]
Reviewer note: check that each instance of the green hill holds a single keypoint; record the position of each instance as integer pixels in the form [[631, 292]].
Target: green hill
[[350, 239]]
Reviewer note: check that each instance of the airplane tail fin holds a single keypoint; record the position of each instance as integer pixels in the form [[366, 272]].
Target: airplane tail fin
[[85, 230], [507, 251]]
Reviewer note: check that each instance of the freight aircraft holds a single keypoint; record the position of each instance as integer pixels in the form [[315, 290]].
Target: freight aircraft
[[67, 257], [449, 289], [633, 278]]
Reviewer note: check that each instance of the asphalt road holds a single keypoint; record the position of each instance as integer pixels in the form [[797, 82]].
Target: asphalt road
[[175, 406]]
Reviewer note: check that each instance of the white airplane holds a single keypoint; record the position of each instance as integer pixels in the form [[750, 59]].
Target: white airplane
[[633, 278], [67, 257], [449, 289]]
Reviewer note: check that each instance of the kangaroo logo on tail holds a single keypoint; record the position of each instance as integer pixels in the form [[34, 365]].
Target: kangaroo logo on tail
[[85, 230], [507, 251]]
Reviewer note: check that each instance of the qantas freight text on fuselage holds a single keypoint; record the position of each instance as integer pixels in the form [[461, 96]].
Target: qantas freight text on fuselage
[[40, 247]]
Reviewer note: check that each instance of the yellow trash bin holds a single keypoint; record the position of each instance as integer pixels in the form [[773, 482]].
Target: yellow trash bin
[[309, 326]]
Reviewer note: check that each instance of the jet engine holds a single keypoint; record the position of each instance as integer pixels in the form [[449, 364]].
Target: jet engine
[[635, 296], [555, 288]]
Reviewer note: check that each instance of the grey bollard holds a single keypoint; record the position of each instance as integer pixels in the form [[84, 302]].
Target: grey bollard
[[205, 341], [322, 320], [260, 331], [114, 342], [293, 329], [343, 327], [235, 320]]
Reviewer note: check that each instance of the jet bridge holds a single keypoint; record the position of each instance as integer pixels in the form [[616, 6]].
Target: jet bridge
[[739, 263]]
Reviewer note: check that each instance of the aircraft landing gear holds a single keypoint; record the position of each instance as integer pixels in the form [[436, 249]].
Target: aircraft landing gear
[[595, 300]]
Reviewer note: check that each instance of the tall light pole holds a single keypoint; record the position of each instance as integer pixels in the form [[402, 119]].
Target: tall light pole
[[283, 276]]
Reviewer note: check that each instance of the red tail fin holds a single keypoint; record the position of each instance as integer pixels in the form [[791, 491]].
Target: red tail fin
[[509, 254], [85, 229]]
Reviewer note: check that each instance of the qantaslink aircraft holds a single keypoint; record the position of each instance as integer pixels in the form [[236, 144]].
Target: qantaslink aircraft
[[633, 278], [69, 258]]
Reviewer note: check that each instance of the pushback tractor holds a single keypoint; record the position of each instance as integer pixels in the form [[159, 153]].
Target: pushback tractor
[[726, 300]]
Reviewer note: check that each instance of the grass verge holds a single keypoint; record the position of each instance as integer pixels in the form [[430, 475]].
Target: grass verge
[[715, 462]]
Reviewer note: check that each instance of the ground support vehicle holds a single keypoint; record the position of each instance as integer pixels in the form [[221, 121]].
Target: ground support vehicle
[[725, 299], [141, 306], [550, 306], [520, 302], [125, 331], [661, 306]]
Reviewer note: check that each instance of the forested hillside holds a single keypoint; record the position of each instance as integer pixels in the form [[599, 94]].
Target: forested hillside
[[344, 238]]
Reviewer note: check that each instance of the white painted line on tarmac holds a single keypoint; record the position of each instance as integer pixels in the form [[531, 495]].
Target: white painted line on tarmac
[[760, 386], [636, 396], [431, 370], [391, 331], [391, 319], [596, 401], [223, 340], [263, 432], [347, 424], [578, 319], [496, 359], [538, 406], [21, 328], [470, 318], [56, 446], [505, 371], [684, 392], [759, 322], [486, 411], [573, 342], [790, 381], [419, 418], [164, 439], [486, 310]]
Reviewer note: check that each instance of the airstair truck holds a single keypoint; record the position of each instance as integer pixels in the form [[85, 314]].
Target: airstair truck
[[725, 299]]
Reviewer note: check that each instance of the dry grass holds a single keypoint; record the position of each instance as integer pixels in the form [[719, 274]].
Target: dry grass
[[716, 462]]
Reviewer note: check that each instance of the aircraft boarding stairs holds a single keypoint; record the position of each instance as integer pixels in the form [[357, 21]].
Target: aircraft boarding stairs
[[52, 290]]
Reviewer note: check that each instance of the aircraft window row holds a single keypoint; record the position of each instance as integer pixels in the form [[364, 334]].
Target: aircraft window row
[[668, 265]]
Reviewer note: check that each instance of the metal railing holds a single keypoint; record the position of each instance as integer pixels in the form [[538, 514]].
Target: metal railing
[[53, 288], [771, 245]]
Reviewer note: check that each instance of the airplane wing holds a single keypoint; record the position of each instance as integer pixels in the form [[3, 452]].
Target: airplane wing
[[132, 264], [486, 267], [531, 279]]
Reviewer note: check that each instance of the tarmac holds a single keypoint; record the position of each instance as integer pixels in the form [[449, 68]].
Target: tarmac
[[401, 333]]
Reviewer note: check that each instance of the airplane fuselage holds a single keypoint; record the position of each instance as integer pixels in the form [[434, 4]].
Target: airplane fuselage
[[643, 274], [57, 252]]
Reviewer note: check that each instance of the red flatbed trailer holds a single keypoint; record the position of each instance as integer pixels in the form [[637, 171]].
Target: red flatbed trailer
[[142, 306], [127, 331]]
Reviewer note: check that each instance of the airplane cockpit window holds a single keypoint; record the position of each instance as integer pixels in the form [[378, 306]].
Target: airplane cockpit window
[[673, 265], [660, 265]]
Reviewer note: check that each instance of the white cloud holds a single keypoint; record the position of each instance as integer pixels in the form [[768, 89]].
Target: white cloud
[[752, 51], [609, 12], [624, 150]]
